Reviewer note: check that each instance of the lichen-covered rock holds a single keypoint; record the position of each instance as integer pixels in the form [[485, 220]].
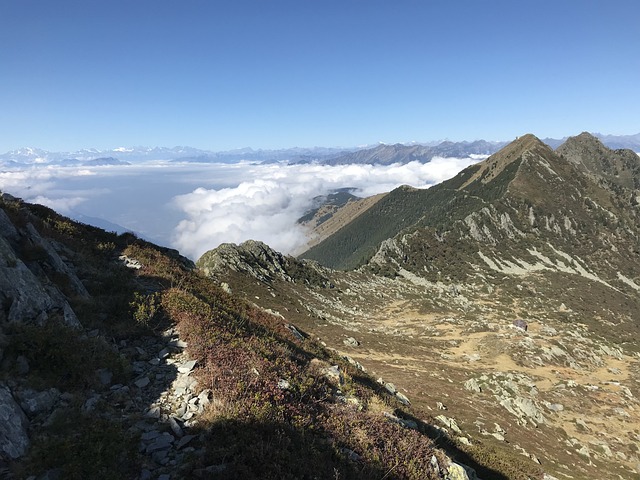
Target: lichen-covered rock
[[252, 257], [262, 263]]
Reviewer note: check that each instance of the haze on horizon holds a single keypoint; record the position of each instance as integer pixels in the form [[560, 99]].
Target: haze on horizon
[[226, 75]]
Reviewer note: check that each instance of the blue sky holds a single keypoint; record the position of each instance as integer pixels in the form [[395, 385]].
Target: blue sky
[[270, 74]]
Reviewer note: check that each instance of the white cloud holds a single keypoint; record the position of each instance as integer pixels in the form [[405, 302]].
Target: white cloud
[[267, 206], [61, 205], [196, 207]]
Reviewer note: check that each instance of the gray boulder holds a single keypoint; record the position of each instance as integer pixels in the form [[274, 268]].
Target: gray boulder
[[28, 300], [472, 385], [33, 403], [14, 440]]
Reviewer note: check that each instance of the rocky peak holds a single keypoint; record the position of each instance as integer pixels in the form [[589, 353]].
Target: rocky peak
[[618, 167], [525, 146], [582, 148]]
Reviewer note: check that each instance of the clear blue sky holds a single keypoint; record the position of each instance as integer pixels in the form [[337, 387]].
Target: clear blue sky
[[272, 73]]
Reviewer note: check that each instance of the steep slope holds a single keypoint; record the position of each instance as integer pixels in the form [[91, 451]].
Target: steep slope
[[331, 215], [119, 361], [405, 207], [523, 194], [507, 296]]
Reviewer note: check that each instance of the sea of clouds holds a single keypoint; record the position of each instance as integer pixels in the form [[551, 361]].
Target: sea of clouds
[[196, 207]]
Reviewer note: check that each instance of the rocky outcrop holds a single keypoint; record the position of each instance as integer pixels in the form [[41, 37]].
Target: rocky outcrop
[[252, 257], [28, 264], [23, 296], [262, 263], [14, 439]]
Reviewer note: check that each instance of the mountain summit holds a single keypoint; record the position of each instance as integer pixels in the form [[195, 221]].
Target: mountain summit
[[617, 167]]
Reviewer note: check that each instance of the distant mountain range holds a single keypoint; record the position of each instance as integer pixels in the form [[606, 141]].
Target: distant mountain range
[[125, 156], [398, 153], [383, 154]]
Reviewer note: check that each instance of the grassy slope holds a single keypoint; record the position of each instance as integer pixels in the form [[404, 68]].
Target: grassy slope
[[313, 429], [401, 209]]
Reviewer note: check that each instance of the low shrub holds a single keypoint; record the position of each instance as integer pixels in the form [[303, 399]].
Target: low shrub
[[60, 357]]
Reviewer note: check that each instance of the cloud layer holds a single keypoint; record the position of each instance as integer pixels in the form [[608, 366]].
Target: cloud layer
[[196, 207], [267, 205]]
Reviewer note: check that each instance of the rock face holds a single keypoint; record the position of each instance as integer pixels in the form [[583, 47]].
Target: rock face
[[14, 439], [26, 292]]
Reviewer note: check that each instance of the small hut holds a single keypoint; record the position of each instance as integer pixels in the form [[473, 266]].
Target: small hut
[[519, 323]]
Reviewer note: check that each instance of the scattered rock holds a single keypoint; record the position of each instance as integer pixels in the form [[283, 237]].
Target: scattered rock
[[162, 442], [142, 382], [449, 423], [457, 472], [186, 367], [555, 407], [351, 342], [472, 385], [296, 333], [391, 388], [403, 399], [204, 398], [184, 441], [34, 403], [284, 384], [130, 262], [401, 421], [175, 427], [350, 454], [334, 374], [104, 376], [464, 441], [355, 363], [177, 343], [521, 324]]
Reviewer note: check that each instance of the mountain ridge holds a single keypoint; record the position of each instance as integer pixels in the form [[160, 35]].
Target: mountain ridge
[[506, 299], [383, 154], [484, 182]]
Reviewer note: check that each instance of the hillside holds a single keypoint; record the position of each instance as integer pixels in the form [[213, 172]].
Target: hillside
[[520, 176], [118, 360], [505, 301], [333, 213]]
